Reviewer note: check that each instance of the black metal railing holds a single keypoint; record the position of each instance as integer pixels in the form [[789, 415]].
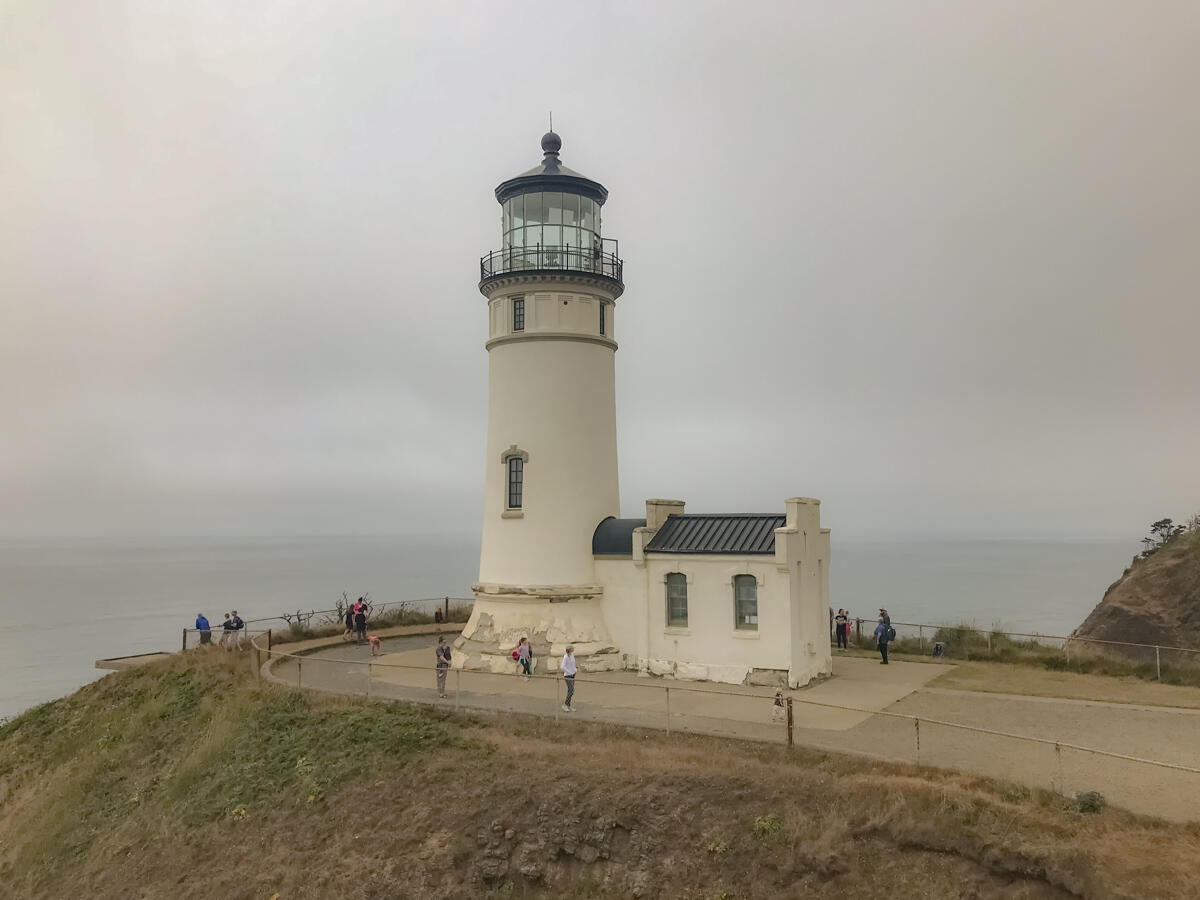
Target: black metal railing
[[563, 258]]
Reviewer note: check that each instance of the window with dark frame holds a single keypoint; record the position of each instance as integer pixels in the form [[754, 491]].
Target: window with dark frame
[[603, 307], [518, 313], [516, 481], [745, 602], [677, 612]]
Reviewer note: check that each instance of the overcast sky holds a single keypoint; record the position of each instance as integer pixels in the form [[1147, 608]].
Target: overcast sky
[[934, 263]]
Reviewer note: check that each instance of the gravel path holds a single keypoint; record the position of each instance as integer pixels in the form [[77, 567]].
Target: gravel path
[[1161, 733]]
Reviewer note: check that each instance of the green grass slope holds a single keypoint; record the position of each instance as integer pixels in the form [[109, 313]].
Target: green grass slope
[[188, 779]]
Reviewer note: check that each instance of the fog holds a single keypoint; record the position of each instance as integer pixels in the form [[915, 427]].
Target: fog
[[933, 263]]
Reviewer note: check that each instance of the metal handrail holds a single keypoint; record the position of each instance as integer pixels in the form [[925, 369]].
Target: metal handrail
[[553, 258], [1057, 744]]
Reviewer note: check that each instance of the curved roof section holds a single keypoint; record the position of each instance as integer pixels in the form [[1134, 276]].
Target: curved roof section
[[740, 533], [614, 537], [552, 175]]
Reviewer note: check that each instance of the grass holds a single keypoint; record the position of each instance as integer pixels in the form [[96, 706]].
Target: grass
[[189, 779], [969, 642]]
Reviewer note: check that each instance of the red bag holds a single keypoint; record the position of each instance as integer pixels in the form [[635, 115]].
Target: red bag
[[516, 654]]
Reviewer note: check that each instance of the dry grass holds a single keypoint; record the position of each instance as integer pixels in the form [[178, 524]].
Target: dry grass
[[189, 780], [1010, 678]]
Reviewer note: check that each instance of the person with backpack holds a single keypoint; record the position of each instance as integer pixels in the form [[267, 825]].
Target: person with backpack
[[238, 625], [886, 633], [360, 620], [523, 654], [441, 653]]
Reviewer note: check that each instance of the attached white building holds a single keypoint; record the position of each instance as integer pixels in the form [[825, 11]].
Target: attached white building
[[734, 598]]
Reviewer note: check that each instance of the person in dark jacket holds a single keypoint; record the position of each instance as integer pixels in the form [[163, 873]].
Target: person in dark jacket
[[360, 620], [885, 630], [441, 655], [349, 635]]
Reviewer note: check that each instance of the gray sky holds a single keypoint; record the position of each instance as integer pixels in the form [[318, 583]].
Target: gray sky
[[934, 263]]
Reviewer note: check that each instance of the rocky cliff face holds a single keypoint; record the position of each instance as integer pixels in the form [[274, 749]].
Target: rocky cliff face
[[1156, 601]]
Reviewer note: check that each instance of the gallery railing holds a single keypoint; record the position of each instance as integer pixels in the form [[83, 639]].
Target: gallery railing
[[552, 258]]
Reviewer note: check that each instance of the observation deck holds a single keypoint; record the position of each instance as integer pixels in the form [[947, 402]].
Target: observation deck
[[602, 262]]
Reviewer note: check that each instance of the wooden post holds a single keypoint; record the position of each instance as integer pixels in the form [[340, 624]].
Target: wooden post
[[557, 696], [668, 712], [1157, 663], [446, 612], [989, 639], [789, 720], [184, 647], [268, 643], [921, 637], [457, 687], [917, 722], [299, 671], [368, 681]]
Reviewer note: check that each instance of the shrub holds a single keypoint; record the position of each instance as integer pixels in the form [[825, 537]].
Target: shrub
[[1089, 802], [767, 827]]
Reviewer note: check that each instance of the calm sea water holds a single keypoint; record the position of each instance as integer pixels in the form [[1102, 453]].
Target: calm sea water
[[66, 604]]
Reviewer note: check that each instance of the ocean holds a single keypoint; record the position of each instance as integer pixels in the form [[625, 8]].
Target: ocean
[[66, 604]]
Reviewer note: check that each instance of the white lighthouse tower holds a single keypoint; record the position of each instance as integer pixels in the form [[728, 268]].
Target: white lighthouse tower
[[551, 459]]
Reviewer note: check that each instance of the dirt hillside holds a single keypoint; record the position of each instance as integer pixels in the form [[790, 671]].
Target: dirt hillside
[[1156, 600], [187, 779]]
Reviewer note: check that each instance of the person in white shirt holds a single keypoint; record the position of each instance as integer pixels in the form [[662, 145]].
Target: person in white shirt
[[568, 670]]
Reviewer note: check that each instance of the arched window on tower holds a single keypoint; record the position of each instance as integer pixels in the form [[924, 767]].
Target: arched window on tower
[[513, 460]]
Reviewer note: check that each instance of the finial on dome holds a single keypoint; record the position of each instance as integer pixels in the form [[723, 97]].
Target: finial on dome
[[551, 142]]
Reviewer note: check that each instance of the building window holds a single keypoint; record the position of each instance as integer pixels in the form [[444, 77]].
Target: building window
[[603, 307], [518, 313], [677, 600], [516, 481], [745, 602]]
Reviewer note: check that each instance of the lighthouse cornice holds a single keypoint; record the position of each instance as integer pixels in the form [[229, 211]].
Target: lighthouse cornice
[[552, 336], [612, 287]]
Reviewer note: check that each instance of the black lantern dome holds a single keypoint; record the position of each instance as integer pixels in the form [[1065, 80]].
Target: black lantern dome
[[551, 221]]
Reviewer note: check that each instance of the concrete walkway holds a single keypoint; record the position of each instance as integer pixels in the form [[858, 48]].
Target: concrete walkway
[[1169, 734]]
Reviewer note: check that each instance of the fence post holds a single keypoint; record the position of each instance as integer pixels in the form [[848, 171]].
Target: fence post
[[1157, 662], [457, 687], [989, 639], [368, 681], [789, 720], [1062, 787], [917, 723], [557, 696], [268, 643], [668, 712], [299, 671], [184, 647], [921, 637], [1067, 647], [446, 613]]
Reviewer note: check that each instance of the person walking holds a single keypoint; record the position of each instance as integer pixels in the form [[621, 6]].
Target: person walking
[[525, 657], [360, 620], [349, 633], [442, 656], [569, 670], [205, 630], [841, 625], [885, 632]]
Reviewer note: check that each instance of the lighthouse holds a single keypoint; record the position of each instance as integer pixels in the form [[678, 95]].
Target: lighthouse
[[736, 597], [551, 291]]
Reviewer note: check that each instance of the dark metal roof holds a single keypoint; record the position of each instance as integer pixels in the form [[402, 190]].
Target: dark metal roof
[[728, 533], [614, 537], [552, 175]]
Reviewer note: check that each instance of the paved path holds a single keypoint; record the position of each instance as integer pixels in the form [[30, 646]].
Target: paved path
[[1168, 734]]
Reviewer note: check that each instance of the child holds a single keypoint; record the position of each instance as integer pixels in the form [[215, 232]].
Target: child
[[779, 708], [373, 640]]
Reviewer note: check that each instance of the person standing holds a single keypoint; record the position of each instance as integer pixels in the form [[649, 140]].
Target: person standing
[[442, 656], [525, 657], [360, 620], [569, 670], [226, 632], [349, 635], [841, 625], [238, 625], [885, 635], [203, 627]]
